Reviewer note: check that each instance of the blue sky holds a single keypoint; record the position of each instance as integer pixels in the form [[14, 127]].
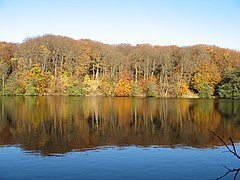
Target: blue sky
[[161, 22]]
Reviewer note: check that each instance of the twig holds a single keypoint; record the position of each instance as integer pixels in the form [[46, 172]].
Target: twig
[[236, 174], [229, 171], [234, 152], [223, 175], [234, 148], [226, 167]]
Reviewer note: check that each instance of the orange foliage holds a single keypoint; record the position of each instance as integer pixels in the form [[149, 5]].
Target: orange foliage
[[123, 88]]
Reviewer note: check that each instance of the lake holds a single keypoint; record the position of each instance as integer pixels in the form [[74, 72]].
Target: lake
[[117, 138]]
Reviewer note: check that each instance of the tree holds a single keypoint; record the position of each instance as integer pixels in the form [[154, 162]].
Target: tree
[[43, 55], [6, 53], [206, 74], [123, 87], [135, 89], [205, 91], [3, 74], [165, 68], [230, 85], [75, 65], [38, 81]]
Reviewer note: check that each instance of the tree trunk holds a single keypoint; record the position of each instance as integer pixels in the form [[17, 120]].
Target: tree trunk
[[3, 83], [61, 68], [93, 71], [55, 73], [97, 72], [136, 74]]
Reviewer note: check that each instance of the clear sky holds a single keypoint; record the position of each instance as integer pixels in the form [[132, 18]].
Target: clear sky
[[161, 22]]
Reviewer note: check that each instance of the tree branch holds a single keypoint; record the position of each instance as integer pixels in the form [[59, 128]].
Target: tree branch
[[229, 171], [234, 152]]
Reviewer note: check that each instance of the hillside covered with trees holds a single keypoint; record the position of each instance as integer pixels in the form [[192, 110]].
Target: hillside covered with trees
[[58, 65]]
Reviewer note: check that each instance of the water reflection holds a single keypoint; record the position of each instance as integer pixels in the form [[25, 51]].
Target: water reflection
[[51, 125]]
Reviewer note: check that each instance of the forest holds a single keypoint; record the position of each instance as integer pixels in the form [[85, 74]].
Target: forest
[[59, 65]]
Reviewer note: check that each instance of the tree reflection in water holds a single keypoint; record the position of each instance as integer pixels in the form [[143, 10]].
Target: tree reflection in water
[[233, 151], [56, 125]]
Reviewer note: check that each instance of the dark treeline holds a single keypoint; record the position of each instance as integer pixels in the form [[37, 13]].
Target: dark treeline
[[50, 65]]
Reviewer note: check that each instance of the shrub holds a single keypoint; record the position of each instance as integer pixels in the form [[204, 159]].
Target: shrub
[[205, 91]]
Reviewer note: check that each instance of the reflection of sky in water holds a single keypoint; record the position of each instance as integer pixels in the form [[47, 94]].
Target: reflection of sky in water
[[116, 138], [48, 125], [113, 163]]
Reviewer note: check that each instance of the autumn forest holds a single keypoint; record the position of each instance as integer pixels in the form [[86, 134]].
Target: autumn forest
[[58, 65]]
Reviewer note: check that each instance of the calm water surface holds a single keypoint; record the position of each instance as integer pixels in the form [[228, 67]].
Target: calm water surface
[[116, 138]]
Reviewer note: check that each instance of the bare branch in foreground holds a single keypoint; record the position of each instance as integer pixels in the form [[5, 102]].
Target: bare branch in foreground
[[230, 171], [234, 152]]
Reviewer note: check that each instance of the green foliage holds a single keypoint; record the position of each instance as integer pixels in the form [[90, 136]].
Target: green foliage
[[30, 90], [75, 88], [15, 84], [225, 91], [230, 85], [135, 89], [205, 91], [9, 87]]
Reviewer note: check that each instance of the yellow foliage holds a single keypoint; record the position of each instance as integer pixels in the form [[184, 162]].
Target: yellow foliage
[[64, 82], [122, 88], [38, 81], [206, 73], [87, 84], [91, 87], [106, 88], [182, 88]]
